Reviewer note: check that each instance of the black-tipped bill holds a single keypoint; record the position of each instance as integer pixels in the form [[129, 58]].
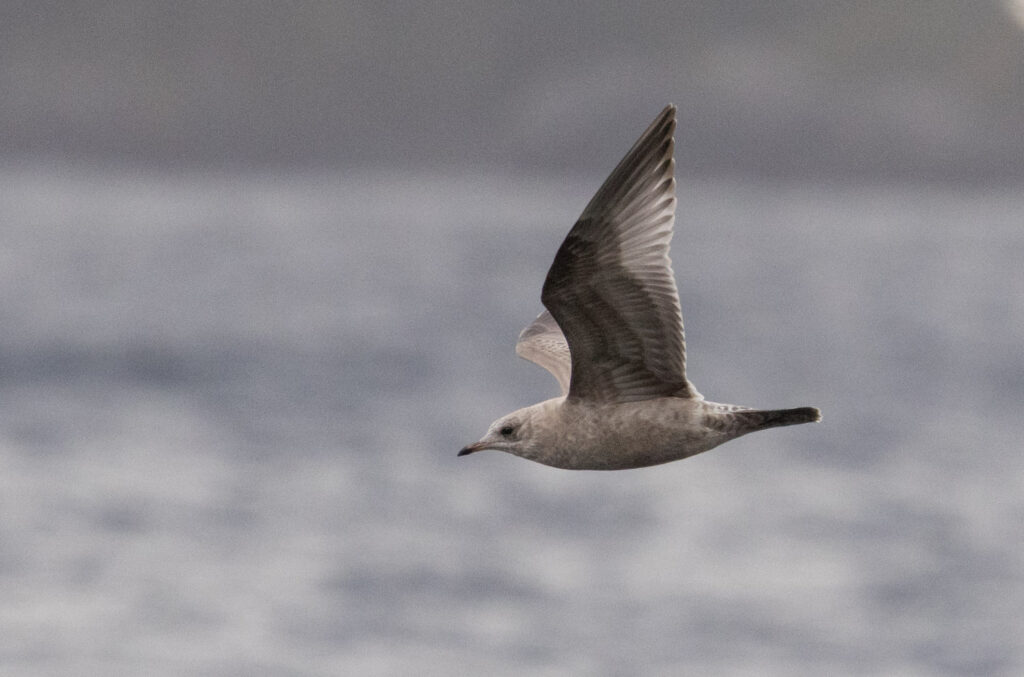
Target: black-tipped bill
[[470, 448]]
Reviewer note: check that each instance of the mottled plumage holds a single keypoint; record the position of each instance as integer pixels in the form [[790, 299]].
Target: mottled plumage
[[612, 335]]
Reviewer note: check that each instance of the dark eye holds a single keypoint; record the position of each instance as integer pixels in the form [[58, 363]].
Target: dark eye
[[507, 431]]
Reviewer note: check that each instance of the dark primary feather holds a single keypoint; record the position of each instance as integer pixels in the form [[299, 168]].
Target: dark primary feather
[[611, 289]]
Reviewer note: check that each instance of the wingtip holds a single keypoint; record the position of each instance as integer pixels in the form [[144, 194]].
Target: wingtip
[[668, 117]]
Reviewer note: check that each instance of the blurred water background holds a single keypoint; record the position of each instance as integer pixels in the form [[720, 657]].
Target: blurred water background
[[233, 380]]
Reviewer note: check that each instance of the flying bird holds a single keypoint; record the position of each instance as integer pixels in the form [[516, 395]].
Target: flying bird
[[612, 335]]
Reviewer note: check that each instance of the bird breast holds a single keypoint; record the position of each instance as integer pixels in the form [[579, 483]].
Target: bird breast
[[601, 436]]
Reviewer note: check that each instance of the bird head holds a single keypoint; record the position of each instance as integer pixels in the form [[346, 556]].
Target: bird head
[[512, 433]]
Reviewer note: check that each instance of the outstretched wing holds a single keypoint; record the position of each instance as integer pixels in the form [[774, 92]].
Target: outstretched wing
[[611, 289], [543, 343]]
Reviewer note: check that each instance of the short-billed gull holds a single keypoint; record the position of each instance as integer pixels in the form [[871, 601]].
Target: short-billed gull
[[612, 335]]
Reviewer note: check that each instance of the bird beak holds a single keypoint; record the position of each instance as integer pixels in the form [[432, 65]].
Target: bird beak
[[469, 449]]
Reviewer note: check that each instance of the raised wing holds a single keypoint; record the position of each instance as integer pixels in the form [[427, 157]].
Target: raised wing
[[543, 343], [611, 288]]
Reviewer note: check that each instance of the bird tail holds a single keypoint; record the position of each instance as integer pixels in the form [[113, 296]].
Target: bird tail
[[762, 419]]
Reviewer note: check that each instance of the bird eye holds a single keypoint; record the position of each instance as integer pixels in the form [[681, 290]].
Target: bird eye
[[507, 431]]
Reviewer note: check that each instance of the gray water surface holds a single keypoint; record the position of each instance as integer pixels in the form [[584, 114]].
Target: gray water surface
[[230, 406]]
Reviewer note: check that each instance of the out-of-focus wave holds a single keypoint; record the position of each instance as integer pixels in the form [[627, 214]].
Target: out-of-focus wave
[[230, 406]]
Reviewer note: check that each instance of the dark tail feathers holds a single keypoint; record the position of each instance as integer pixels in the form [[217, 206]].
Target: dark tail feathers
[[761, 420]]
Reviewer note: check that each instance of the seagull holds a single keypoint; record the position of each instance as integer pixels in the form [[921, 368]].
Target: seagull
[[612, 336]]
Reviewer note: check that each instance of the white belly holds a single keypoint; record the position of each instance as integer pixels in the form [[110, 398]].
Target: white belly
[[631, 435]]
